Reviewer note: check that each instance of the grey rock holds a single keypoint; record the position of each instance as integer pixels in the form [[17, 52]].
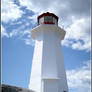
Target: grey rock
[[10, 88]]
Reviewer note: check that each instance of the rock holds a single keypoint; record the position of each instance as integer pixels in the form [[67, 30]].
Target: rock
[[9, 88]]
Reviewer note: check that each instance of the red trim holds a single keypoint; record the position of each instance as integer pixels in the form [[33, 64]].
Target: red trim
[[47, 23]]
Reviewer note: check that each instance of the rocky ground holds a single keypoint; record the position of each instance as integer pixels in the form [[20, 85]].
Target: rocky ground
[[9, 88]]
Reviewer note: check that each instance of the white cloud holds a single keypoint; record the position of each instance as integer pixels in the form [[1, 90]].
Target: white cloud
[[29, 41], [9, 11], [80, 78], [60, 9], [79, 29], [63, 8], [3, 32], [78, 35], [13, 33], [34, 18], [26, 32]]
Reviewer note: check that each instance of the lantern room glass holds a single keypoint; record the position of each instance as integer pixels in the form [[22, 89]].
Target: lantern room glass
[[48, 19], [41, 20], [54, 20]]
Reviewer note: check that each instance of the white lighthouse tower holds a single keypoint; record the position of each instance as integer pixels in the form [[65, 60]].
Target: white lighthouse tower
[[48, 71]]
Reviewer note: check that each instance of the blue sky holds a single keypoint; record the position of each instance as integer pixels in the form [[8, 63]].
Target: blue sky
[[20, 16]]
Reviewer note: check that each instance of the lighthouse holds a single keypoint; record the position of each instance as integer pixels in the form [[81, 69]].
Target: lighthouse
[[48, 71]]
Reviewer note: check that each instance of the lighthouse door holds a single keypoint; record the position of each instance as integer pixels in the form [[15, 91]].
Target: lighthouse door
[[50, 85]]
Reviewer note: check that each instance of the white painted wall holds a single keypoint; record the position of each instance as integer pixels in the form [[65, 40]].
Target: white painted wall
[[50, 85], [48, 72], [35, 80]]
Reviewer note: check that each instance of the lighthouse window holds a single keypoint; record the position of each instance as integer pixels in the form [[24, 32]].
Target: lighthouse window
[[54, 20], [41, 20], [48, 19]]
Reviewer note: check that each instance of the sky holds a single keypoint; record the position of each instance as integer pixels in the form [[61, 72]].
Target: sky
[[18, 17]]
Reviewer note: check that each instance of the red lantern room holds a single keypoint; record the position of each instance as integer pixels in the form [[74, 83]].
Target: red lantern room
[[47, 18]]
